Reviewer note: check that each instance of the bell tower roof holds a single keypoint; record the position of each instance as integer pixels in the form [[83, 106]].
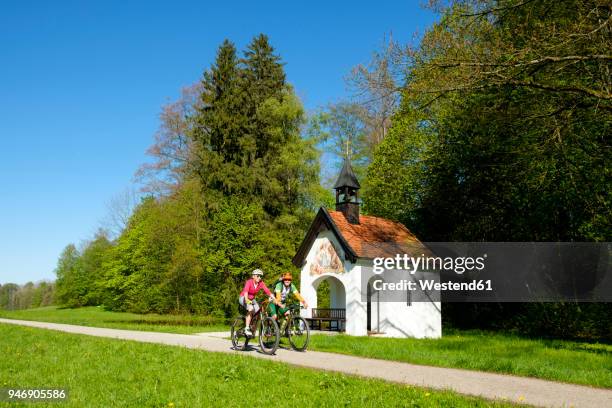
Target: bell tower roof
[[347, 193], [347, 177]]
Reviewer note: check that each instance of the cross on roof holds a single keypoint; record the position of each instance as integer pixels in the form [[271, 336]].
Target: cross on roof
[[348, 151]]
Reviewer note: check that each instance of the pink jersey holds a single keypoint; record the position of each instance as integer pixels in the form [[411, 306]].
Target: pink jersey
[[251, 289]]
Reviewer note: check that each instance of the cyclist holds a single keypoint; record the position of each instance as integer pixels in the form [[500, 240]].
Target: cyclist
[[282, 290], [247, 297]]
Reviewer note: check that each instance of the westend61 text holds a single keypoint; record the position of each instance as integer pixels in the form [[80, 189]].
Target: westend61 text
[[475, 285], [429, 263]]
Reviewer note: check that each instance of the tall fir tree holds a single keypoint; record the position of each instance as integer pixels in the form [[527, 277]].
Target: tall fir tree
[[255, 167], [263, 71], [219, 124], [265, 81]]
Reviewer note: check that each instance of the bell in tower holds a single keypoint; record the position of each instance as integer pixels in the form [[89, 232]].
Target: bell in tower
[[347, 193]]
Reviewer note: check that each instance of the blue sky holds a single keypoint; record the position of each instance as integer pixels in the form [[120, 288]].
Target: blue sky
[[82, 83]]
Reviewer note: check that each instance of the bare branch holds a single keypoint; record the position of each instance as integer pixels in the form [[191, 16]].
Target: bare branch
[[497, 9], [451, 63]]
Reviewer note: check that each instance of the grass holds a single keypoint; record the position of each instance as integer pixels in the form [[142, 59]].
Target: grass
[[559, 360], [106, 372], [98, 317]]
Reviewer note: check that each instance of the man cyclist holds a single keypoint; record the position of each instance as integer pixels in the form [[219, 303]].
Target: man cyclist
[[282, 291], [247, 297]]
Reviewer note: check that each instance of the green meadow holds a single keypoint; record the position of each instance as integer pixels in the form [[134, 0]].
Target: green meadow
[[98, 317], [102, 372], [558, 360]]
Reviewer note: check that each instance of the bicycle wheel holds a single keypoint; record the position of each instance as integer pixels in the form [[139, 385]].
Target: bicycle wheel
[[239, 338], [269, 335], [299, 333]]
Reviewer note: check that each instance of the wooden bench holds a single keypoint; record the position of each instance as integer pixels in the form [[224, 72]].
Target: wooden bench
[[337, 316]]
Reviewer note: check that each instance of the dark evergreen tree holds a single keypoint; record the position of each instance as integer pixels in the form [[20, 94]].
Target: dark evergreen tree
[[264, 82], [219, 124], [263, 71]]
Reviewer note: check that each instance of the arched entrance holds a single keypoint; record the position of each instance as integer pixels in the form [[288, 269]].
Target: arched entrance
[[329, 313]]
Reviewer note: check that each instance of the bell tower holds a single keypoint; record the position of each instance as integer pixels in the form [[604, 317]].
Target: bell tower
[[347, 193]]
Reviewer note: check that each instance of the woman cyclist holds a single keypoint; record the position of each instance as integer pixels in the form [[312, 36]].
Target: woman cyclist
[[247, 297]]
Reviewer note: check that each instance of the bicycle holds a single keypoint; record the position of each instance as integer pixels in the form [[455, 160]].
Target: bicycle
[[261, 322], [296, 329]]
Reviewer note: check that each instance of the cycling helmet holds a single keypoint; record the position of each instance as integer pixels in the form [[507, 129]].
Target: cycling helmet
[[287, 276], [257, 272]]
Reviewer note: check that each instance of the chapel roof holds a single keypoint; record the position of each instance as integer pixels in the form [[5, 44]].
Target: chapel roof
[[373, 237]]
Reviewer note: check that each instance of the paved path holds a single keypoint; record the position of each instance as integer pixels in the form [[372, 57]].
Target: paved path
[[488, 385]]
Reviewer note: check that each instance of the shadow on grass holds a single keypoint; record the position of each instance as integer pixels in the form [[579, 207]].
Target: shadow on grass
[[587, 347], [569, 343]]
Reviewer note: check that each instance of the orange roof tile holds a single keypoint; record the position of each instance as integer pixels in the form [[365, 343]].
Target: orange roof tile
[[375, 237]]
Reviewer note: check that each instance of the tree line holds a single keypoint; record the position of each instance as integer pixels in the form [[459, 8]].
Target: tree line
[[14, 297]]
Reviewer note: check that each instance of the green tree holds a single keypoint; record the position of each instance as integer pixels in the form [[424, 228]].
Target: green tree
[[70, 289], [215, 131], [91, 263], [341, 130], [394, 186], [270, 167], [520, 159], [156, 264], [7, 296]]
